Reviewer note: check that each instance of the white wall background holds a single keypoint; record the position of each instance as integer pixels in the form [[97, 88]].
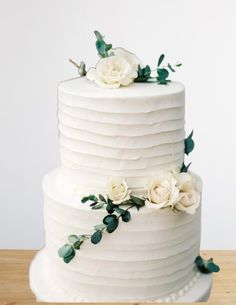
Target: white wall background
[[36, 40]]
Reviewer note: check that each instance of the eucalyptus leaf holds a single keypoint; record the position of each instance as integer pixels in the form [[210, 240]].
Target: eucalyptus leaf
[[206, 266], [137, 201], [189, 144], [99, 205], [100, 227], [110, 208], [160, 60], [170, 67], [101, 48], [67, 259], [112, 222], [162, 74], [112, 226], [90, 197], [96, 237], [98, 35], [82, 69], [126, 216], [143, 74], [65, 250], [107, 219], [102, 198], [77, 244], [73, 238], [184, 168], [119, 210]]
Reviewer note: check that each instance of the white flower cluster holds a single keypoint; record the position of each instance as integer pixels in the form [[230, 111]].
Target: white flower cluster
[[179, 191]]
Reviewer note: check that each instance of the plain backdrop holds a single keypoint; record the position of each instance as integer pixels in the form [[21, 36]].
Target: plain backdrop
[[36, 39]]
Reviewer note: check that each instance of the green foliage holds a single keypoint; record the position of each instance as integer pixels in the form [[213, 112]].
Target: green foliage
[[67, 253], [101, 46], [184, 168], [162, 75], [112, 223], [110, 208], [82, 69], [189, 144], [206, 266], [102, 198], [98, 205], [160, 60], [137, 201], [96, 237], [90, 197], [143, 74], [126, 216]]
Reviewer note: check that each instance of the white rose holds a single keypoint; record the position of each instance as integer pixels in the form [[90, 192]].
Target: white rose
[[119, 69], [189, 195], [118, 191], [162, 192]]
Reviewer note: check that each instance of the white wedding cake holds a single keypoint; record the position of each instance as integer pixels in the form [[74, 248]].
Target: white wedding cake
[[122, 212]]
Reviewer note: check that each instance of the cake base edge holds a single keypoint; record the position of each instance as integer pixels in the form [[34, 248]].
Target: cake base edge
[[44, 291]]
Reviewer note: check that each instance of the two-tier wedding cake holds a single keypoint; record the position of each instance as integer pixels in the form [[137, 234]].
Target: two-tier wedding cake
[[123, 211]]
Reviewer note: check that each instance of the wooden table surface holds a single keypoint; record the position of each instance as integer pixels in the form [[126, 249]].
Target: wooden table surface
[[14, 287]]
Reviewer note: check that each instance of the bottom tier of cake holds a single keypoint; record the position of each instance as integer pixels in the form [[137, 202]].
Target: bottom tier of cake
[[150, 258]]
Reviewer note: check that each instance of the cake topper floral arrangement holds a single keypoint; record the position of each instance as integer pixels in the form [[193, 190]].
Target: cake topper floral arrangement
[[118, 67]]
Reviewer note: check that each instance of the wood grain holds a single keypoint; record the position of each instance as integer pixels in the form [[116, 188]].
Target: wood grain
[[14, 288]]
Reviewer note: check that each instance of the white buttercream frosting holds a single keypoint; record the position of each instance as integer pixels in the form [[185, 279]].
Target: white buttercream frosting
[[148, 258], [128, 132], [132, 133]]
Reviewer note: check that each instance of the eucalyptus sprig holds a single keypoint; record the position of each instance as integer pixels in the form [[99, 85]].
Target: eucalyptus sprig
[[101, 46], [81, 67], [162, 72], [206, 266], [188, 148], [109, 224]]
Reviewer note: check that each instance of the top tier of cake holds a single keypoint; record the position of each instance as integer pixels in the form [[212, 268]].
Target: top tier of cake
[[133, 132]]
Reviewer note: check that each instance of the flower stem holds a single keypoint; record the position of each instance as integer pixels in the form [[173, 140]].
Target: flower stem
[[74, 63]]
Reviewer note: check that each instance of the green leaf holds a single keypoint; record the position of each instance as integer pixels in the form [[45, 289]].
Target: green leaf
[[112, 223], [90, 197], [96, 237], [160, 60], [126, 216], [162, 74], [170, 67], [189, 144], [137, 201], [100, 227], [73, 238], [143, 74], [102, 198], [119, 210], [66, 250], [67, 259], [184, 168], [98, 35], [107, 219], [178, 64], [112, 226], [108, 47], [206, 266], [99, 205], [110, 208], [101, 48], [77, 244], [82, 69]]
